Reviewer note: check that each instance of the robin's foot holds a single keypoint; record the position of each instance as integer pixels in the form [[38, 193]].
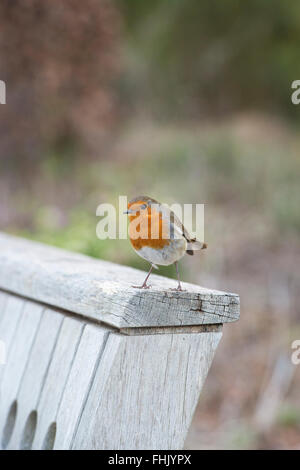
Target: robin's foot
[[178, 289], [143, 286]]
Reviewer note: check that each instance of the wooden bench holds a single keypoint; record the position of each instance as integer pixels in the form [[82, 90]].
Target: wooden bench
[[92, 363]]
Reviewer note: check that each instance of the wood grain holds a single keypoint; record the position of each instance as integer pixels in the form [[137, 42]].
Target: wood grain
[[145, 391], [103, 291], [55, 382], [33, 379], [78, 386], [18, 356]]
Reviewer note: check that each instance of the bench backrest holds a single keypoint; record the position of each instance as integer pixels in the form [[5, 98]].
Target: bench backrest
[[91, 363]]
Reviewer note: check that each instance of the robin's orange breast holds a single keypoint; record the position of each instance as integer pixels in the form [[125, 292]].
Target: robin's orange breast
[[147, 228]]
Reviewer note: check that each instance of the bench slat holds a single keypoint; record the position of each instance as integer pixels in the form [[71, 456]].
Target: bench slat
[[59, 370], [149, 387], [17, 359], [32, 382], [103, 291]]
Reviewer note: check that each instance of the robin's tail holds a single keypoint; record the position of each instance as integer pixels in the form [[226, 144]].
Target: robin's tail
[[194, 245]]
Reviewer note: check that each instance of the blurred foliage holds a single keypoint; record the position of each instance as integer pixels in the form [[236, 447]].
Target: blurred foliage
[[73, 70], [240, 169], [59, 61], [241, 437], [208, 58], [289, 415]]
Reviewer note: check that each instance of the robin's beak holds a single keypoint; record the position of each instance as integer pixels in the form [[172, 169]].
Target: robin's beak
[[128, 212]]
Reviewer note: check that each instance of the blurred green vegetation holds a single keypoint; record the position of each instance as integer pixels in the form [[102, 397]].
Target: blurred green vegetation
[[289, 415], [209, 58]]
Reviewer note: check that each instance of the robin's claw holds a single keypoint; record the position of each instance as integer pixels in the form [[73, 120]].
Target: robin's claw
[[178, 289], [142, 287]]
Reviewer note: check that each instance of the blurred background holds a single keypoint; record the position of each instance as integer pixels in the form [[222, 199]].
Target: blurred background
[[186, 101]]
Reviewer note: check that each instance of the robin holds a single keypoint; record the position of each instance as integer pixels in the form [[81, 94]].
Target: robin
[[158, 236]]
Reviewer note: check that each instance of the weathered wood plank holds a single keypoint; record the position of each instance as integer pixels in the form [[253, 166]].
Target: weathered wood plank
[[162, 330], [103, 291], [78, 385], [10, 314], [59, 370], [145, 391], [33, 380], [13, 370], [3, 299]]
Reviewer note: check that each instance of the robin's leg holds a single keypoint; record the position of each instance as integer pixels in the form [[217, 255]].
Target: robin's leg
[[178, 288], [144, 285]]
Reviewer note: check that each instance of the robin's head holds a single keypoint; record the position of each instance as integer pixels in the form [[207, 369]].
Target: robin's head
[[138, 204]]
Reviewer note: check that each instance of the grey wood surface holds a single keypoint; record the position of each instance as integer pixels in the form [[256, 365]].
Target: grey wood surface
[[129, 380], [19, 351], [103, 291], [68, 384], [80, 380], [46, 379], [55, 381], [149, 387], [33, 379]]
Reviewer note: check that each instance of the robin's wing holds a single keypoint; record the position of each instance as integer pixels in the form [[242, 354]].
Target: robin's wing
[[179, 225], [176, 226], [192, 244], [175, 222]]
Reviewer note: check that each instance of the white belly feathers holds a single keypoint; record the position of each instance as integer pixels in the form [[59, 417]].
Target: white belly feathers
[[165, 256]]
